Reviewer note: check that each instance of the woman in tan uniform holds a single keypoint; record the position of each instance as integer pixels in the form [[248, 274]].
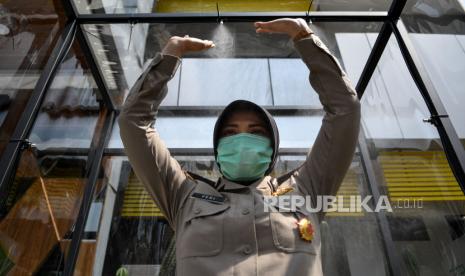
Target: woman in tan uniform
[[225, 229]]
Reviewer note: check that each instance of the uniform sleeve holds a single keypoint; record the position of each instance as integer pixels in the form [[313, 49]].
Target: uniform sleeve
[[151, 161], [330, 157]]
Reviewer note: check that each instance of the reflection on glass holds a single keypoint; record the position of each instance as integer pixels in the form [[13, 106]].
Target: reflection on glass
[[134, 236], [421, 16], [28, 32], [125, 229], [69, 112], [38, 213], [446, 69], [412, 170], [262, 68], [211, 6], [89, 250]]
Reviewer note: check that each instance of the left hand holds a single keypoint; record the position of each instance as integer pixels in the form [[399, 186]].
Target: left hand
[[288, 26]]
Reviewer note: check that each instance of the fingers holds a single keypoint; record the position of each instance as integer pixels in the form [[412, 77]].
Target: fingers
[[262, 27], [280, 26], [262, 31], [204, 42], [196, 44], [267, 24], [209, 44], [274, 26]]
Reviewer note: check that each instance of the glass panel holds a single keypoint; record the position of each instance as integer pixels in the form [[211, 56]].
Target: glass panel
[[28, 32], [38, 213], [197, 132], [211, 6], [262, 68], [223, 85], [69, 112], [287, 92], [132, 235], [437, 31], [412, 171], [351, 241]]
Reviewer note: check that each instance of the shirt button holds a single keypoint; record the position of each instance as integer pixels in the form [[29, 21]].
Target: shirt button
[[247, 250], [197, 211], [245, 211]]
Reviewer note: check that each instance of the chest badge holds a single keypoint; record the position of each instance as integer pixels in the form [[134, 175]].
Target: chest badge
[[306, 229], [282, 191], [210, 198]]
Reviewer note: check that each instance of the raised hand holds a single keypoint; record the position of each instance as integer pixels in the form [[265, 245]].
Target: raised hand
[[177, 46], [289, 26]]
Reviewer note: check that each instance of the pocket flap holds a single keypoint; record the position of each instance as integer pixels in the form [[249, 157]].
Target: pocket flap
[[286, 235], [202, 208]]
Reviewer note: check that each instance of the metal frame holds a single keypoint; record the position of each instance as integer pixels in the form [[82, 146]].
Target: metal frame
[[452, 146], [380, 44], [173, 152], [205, 111], [373, 59], [94, 164], [205, 152]]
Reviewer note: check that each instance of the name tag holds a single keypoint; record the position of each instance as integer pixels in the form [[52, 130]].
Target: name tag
[[210, 198]]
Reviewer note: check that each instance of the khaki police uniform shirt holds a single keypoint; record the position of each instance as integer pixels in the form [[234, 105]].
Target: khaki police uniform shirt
[[237, 237]]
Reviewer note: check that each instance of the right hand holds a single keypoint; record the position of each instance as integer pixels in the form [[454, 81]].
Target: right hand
[[288, 26], [178, 46]]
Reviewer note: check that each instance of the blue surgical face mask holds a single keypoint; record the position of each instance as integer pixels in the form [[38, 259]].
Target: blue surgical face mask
[[244, 156]]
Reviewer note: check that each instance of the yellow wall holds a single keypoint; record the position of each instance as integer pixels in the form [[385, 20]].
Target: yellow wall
[[231, 6]]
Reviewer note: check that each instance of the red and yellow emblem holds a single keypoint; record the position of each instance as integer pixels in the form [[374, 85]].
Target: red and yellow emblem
[[306, 229]]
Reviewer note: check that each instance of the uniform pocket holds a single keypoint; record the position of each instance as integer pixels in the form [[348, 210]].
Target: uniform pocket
[[202, 230], [286, 234]]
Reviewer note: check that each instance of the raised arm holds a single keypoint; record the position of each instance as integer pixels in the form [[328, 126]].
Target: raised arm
[[331, 154], [151, 161]]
